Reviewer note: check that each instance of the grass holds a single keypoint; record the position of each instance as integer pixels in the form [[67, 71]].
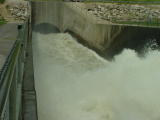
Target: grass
[[46, 0], [153, 23], [139, 0], [127, 1], [2, 21], [2, 1]]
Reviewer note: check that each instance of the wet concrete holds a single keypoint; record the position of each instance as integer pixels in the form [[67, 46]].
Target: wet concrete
[[29, 105], [46, 28], [135, 38]]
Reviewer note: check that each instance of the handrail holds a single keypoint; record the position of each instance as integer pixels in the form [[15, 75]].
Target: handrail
[[11, 79]]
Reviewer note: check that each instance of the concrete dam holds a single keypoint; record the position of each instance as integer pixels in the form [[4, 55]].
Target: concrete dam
[[96, 34], [81, 68]]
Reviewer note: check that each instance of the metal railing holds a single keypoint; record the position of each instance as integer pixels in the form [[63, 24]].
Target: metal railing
[[11, 77]]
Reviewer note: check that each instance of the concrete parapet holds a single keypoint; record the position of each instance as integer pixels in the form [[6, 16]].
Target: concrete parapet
[[70, 17]]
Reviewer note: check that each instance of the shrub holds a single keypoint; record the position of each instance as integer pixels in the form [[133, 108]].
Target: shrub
[[2, 21], [2, 1]]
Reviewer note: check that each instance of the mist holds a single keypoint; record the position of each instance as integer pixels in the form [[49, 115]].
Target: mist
[[75, 83]]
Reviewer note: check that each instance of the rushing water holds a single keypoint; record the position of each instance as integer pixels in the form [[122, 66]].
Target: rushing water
[[74, 83]]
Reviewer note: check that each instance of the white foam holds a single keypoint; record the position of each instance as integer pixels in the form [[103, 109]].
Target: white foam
[[74, 83]]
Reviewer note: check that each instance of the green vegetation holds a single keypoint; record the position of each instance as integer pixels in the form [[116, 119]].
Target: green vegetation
[[138, 0], [154, 23], [2, 1], [2, 21], [46, 0], [141, 23], [127, 1]]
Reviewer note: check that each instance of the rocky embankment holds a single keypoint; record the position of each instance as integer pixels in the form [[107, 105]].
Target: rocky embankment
[[125, 12], [14, 12], [19, 11]]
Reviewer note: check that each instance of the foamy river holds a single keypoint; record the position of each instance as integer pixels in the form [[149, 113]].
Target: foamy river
[[75, 83]]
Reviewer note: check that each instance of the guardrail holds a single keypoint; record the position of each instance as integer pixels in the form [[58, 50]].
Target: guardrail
[[11, 77]]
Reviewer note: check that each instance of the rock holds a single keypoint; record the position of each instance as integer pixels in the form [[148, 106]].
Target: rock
[[19, 12], [123, 12]]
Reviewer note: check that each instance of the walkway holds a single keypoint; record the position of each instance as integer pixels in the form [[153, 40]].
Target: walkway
[[8, 34]]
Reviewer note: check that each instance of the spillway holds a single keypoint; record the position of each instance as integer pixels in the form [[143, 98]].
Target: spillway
[[74, 83], [59, 61]]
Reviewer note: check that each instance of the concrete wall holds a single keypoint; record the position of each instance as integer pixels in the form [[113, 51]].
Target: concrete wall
[[67, 16]]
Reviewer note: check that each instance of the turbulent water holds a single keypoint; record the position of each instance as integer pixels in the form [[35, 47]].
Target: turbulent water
[[74, 83]]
